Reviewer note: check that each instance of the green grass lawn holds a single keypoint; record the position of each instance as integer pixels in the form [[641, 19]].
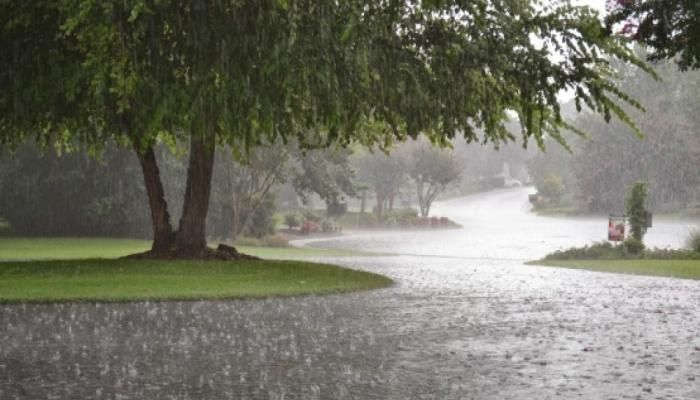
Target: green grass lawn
[[16, 249], [82, 269], [128, 280], [686, 269]]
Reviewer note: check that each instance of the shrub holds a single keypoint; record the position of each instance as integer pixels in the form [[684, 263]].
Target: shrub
[[636, 212], [336, 209], [404, 217], [692, 242], [552, 187], [632, 246], [292, 220], [310, 215], [598, 250], [309, 226], [671, 254], [328, 225], [262, 222], [630, 249]]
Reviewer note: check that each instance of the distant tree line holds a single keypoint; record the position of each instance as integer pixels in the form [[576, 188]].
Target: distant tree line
[[597, 173], [72, 194], [76, 194], [43, 193]]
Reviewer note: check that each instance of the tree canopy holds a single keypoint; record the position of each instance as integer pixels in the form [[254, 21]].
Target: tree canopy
[[670, 27], [241, 72]]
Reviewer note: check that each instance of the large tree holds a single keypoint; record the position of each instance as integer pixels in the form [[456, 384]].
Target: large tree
[[236, 71], [432, 170], [384, 174]]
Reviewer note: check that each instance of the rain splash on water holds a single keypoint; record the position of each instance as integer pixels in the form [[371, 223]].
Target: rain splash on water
[[466, 319]]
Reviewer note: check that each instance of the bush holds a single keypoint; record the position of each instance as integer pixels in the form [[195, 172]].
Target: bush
[[671, 254], [636, 212], [630, 249], [328, 225], [262, 221], [310, 215], [693, 241], [292, 220], [596, 251], [336, 209], [632, 246], [552, 187], [405, 217]]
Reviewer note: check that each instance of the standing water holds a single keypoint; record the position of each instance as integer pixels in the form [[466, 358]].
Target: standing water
[[465, 320]]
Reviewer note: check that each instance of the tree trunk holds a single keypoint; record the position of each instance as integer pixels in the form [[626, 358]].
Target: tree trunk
[[421, 198], [380, 207], [362, 202], [235, 216], [163, 236], [191, 241]]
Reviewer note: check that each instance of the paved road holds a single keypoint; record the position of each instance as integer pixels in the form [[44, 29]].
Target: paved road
[[466, 320]]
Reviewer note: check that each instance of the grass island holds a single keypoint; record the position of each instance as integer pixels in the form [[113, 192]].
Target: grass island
[[67, 270]]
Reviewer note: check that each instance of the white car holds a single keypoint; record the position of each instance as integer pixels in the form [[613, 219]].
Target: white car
[[512, 183]]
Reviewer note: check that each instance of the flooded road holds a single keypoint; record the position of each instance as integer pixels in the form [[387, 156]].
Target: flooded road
[[499, 225], [465, 320]]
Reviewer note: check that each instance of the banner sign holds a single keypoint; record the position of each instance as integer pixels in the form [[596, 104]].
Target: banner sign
[[616, 228]]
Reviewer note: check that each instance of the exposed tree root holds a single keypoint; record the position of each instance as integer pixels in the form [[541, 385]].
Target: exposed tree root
[[221, 253]]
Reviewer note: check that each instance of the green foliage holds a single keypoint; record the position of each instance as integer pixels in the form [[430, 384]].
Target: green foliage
[[671, 254], [262, 221], [317, 70], [601, 167], [328, 225], [292, 220], [242, 73], [406, 218], [693, 240], [432, 170], [670, 27], [632, 246], [312, 216], [45, 194], [636, 211], [336, 209], [595, 251], [552, 187], [383, 173], [327, 173], [629, 249]]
